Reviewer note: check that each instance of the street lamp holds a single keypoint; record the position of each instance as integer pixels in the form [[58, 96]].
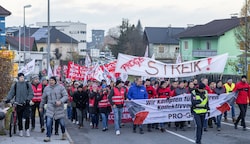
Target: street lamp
[[24, 7], [48, 41]]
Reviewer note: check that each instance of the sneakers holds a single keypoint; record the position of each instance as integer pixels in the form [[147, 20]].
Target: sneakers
[[117, 132], [218, 129], [234, 119], [28, 133], [189, 125], [64, 137], [141, 131], [235, 125], [74, 121], [77, 122], [162, 129], [47, 139], [21, 133]]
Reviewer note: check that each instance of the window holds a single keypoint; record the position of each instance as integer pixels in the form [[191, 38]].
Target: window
[[185, 44], [208, 45], [177, 49], [161, 49]]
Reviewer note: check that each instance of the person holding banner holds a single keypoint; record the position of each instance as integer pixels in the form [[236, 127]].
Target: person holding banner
[[229, 86], [200, 107], [163, 92], [242, 99], [137, 91], [219, 90], [151, 95], [116, 98]]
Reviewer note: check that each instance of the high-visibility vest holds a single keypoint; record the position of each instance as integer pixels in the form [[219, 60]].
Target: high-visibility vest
[[200, 108], [118, 98], [104, 102], [229, 88], [37, 93]]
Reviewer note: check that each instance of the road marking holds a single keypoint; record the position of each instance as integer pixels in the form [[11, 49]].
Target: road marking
[[229, 124], [245, 120], [69, 137], [181, 136]]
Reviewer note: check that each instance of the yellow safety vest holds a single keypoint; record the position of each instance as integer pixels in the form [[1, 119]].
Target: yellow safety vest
[[200, 108], [229, 88]]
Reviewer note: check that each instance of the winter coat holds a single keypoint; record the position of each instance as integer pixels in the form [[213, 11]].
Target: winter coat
[[219, 90], [179, 91], [80, 98], [21, 92], [52, 94], [137, 92], [93, 108], [244, 92]]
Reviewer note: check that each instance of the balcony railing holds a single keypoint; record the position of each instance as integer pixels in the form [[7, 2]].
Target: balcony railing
[[204, 53]]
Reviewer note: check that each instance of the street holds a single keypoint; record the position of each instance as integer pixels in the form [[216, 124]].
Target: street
[[227, 134]]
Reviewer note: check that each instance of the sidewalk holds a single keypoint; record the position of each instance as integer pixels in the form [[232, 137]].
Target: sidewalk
[[36, 137]]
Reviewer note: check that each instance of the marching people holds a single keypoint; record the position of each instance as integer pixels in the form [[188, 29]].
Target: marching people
[[151, 95], [242, 100], [104, 107], [137, 91], [229, 86], [73, 104], [93, 106], [178, 91], [116, 98], [80, 97], [163, 92], [35, 102], [200, 106], [190, 88], [219, 90], [22, 93], [54, 95]]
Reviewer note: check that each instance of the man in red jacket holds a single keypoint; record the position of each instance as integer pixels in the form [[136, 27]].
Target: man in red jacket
[[243, 95]]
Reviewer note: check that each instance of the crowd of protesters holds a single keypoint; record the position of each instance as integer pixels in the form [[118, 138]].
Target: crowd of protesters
[[95, 100]]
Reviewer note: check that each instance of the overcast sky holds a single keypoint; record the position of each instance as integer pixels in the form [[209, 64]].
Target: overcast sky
[[105, 14]]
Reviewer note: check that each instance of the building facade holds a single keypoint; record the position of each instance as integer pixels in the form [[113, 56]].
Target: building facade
[[3, 14]]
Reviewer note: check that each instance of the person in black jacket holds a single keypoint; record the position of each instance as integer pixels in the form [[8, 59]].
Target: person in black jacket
[[93, 106], [80, 97]]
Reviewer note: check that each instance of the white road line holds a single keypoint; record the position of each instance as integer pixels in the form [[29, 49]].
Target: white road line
[[176, 134], [69, 137], [229, 124], [245, 120]]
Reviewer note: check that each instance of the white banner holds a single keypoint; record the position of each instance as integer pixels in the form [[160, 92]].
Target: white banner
[[143, 66], [177, 108], [28, 68]]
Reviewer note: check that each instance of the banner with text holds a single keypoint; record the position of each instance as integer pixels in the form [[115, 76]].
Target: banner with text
[[149, 67], [177, 108]]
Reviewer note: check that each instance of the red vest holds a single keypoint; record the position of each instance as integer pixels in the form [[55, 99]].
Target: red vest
[[104, 102], [164, 92], [92, 102], [118, 98], [37, 93]]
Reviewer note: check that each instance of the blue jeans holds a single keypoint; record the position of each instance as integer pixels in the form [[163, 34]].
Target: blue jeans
[[104, 120], [49, 122], [218, 120], [94, 119], [117, 117], [69, 111], [199, 121]]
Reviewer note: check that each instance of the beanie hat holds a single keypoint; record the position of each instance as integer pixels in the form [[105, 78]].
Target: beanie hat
[[162, 82], [53, 77], [202, 86], [80, 86], [20, 74], [244, 76], [34, 77], [118, 82]]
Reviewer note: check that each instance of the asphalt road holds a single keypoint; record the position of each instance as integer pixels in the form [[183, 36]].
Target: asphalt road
[[227, 135]]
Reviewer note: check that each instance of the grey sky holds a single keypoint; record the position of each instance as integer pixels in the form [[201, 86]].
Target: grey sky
[[104, 14]]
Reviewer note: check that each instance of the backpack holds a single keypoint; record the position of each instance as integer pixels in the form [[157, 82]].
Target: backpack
[[27, 85]]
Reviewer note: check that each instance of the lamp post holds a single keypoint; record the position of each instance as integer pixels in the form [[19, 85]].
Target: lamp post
[[48, 42], [24, 45]]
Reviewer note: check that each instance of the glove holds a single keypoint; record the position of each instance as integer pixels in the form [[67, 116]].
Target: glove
[[32, 103], [208, 114]]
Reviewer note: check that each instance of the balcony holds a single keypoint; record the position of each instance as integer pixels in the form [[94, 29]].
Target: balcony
[[204, 53]]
